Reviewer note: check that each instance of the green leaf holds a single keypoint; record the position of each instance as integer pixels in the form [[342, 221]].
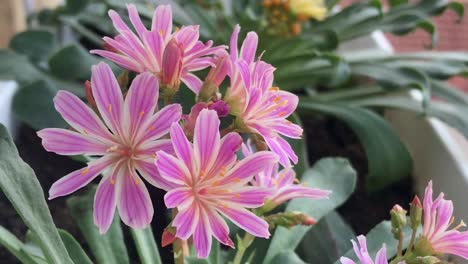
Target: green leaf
[[333, 174], [35, 44], [146, 245], [289, 257], [20, 185], [15, 246], [108, 248], [74, 249], [327, 240], [389, 160], [75, 6], [17, 67], [72, 63], [379, 235], [215, 253], [194, 260], [300, 147], [33, 105]]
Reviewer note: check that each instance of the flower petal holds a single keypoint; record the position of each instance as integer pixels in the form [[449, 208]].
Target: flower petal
[[281, 147], [249, 197], [193, 82], [121, 60], [175, 197], [250, 166], [136, 21], [182, 147], [206, 140], [79, 178], [134, 203], [187, 36], [162, 20], [246, 220], [66, 142], [161, 122], [230, 144], [80, 116], [219, 228], [202, 236], [172, 169], [185, 221], [249, 47], [108, 96], [345, 260], [233, 43], [104, 204], [381, 257], [150, 173]]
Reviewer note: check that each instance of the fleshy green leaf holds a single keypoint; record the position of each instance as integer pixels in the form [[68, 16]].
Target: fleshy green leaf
[[15, 246], [146, 245], [289, 257], [35, 44], [72, 63], [108, 248], [389, 160], [74, 248], [20, 185], [333, 174]]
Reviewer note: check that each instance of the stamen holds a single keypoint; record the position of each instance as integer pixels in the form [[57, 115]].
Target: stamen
[[237, 180], [202, 174], [283, 103], [215, 183], [152, 128], [281, 114], [109, 108], [137, 181], [274, 89], [162, 32], [282, 176], [85, 132], [277, 99], [462, 224], [142, 113], [222, 173], [289, 122], [112, 181], [237, 195], [275, 182], [113, 148], [85, 171]]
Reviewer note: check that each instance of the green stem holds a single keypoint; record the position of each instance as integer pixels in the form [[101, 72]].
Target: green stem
[[400, 245], [411, 244], [242, 246]]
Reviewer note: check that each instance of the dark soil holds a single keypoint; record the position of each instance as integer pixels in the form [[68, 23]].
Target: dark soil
[[326, 137]]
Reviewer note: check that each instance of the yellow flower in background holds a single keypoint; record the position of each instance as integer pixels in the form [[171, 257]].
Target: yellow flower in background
[[309, 8]]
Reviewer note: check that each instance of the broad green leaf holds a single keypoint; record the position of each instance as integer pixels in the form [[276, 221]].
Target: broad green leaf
[[146, 245], [327, 240], [74, 248], [35, 44], [72, 63], [288, 256], [108, 248], [33, 105], [333, 174], [75, 6], [379, 235], [20, 185], [17, 67], [15, 246], [389, 160]]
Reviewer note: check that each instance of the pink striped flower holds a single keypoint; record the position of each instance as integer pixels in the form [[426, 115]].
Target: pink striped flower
[[124, 143], [171, 56], [282, 184], [363, 254], [211, 183], [261, 108], [437, 238]]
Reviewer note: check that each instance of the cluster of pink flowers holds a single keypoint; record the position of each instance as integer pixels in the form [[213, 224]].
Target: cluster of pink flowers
[[133, 136]]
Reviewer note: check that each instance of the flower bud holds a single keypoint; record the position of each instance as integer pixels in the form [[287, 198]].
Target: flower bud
[[172, 65], [221, 107], [398, 219], [168, 236], [289, 219], [415, 213], [89, 94]]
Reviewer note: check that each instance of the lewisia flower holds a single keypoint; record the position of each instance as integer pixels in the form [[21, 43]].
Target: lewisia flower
[[363, 254], [259, 107], [315, 9], [210, 183], [282, 184], [171, 56], [436, 237], [125, 143]]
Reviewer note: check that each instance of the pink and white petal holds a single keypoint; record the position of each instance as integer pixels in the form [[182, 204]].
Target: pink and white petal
[[117, 21], [66, 142], [192, 81], [245, 169], [246, 220], [298, 191], [249, 47], [345, 260], [285, 176], [162, 20], [202, 236], [182, 147], [136, 21], [186, 221], [80, 116], [161, 122], [287, 129], [187, 36], [361, 250], [287, 105], [177, 196], [104, 204], [427, 209], [281, 147], [150, 173], [233, 43], [155, 43], [230, 144], [141, 100], [249, 197], [206, 142], [172, 61], [381, 257], [121, 60], [243, 68], [150, 148], [134, 203], [219, 228], [172, 169], [108, 96], [79, 178]]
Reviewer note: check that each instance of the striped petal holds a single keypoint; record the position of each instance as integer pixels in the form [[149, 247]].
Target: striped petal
[[246, 220], [66, 142], [206, 140], [104, 204]]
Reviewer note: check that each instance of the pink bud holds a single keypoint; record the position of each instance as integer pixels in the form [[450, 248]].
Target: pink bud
[[89, 94], [308, 221], [221, 107], [416, 202], [168, 236], [172, 65], [218, 73]]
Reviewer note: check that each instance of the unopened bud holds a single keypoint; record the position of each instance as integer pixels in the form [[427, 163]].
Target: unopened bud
[[221, 107], [89, 94], [168, 236], [415, 213], [398, 219], [289, 219]]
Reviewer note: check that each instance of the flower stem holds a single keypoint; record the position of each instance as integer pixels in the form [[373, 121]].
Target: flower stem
[[400, 245], [242, 245], [411, 244]]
